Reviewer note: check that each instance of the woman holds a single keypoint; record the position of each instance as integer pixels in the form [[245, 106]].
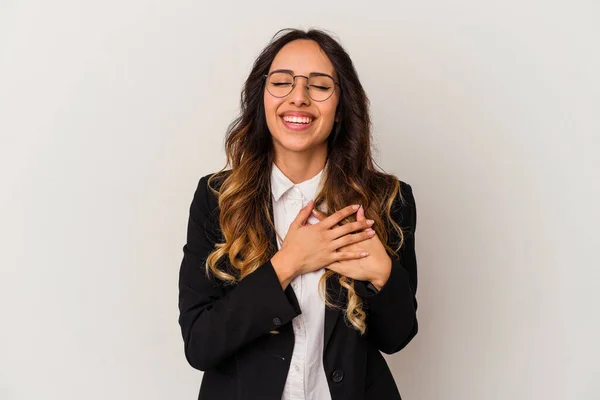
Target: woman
[[268, 272]]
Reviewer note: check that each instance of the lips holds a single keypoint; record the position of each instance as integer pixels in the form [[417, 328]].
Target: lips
[[297, 114]]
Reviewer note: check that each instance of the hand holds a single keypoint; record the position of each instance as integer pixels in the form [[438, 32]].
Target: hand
[[309, 247], [376, 267]]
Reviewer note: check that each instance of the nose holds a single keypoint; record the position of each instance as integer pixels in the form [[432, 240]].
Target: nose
[[299, 94]]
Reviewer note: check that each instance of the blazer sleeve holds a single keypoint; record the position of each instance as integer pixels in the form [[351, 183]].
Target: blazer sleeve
[[216, 322], [392, 312]]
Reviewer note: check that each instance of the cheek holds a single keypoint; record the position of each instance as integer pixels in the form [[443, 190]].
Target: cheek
[[270, 112], [328, 115], [270, 107]]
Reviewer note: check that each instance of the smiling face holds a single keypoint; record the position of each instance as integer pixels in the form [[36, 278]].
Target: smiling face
[[298, 123]]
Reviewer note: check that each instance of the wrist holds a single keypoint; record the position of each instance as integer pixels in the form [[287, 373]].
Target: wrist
[[284, 270], [380, 280], [377, 284]]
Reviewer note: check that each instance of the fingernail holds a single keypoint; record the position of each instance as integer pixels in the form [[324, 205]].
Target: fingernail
[[364, 254], [370, 222], [356, 206]]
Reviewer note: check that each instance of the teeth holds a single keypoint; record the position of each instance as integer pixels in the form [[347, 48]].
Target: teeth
[[298, 120]]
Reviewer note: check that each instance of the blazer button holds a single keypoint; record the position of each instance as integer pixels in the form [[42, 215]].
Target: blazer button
[[338, 376], [276, 321]]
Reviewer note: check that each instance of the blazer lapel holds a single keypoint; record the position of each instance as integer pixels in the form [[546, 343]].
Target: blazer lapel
[[334, 291]]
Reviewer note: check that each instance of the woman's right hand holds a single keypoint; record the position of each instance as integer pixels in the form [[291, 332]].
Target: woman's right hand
[[309, 247]]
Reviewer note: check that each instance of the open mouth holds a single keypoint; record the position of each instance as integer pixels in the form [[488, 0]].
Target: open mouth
[[297, 123]]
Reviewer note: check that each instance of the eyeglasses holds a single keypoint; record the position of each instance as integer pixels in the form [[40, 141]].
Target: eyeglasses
[[319, 86]]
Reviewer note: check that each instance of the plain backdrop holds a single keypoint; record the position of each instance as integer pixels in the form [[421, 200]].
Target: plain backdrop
[[111, 111]]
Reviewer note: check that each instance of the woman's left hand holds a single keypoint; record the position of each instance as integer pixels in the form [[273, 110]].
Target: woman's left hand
[[375, 267]]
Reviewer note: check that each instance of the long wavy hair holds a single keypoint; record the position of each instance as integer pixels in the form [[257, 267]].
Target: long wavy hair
[[350, 177]]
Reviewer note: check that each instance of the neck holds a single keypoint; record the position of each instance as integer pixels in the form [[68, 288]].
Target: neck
[[298, 167]]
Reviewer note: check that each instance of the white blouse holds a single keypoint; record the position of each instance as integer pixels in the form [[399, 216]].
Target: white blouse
[[306, 378]]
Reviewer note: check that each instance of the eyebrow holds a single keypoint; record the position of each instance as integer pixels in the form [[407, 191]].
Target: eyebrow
[[292, 72]]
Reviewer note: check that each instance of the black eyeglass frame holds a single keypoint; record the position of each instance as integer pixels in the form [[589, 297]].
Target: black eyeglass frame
[[266, 77]]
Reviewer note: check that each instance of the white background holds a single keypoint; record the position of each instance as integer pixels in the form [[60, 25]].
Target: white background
[[110, 111]]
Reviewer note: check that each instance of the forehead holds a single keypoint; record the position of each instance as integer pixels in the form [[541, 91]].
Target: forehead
[[303, 57]]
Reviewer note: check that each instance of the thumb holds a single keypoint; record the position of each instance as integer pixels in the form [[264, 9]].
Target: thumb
[[303, 215], [360, 214]]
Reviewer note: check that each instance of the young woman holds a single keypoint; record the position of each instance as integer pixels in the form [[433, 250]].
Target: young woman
[[287, 289]]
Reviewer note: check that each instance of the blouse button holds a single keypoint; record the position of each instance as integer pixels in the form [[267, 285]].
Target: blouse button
[[276, 321]]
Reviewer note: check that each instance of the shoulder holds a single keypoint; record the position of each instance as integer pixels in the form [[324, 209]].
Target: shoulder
[[215, 179], [211, 182], [205, 199], [404, 208], [407, 196], [399, 191]]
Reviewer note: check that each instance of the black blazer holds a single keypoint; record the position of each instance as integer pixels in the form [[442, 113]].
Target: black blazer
[[226, 329]]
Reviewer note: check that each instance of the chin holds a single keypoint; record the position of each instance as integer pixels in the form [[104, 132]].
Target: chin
[[297, 147], [293, 142]]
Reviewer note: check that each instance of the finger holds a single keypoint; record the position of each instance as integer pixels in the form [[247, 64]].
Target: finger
[[351, 238], [360, 214], [318, 214], [357, 226], [338, 216], [349, 255], [303, 215]]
